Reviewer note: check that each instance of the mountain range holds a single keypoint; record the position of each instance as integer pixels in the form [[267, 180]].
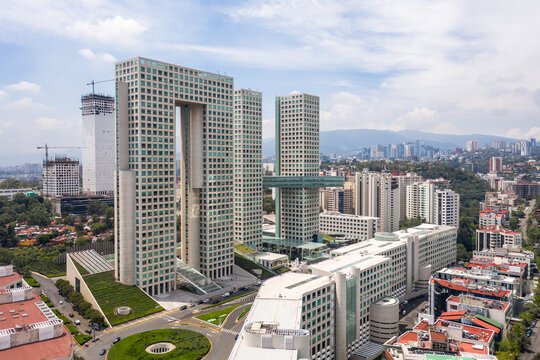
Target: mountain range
[[351, 141]]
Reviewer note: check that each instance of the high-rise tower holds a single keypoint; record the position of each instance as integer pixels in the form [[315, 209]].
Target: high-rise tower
[[151, 96], [248, 167], [297, 155], [98, 140]]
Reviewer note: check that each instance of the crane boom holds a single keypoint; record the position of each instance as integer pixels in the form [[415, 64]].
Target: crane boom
[[97, 82], [47, 147]]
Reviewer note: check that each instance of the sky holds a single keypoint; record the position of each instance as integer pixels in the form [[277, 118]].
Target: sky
[[455, 67]]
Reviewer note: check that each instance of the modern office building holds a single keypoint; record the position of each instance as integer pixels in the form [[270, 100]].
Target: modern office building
[[495, 164], [247, 152], [151, 96], [351, 226], [340, 200], [61, 177], [493, 237], [343, 308], [297, 155], [98, 140]]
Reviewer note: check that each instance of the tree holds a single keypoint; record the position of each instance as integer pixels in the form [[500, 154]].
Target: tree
[[81, 240], [84, 306], [462, 254], [76, 298], [513, 224], [409, 223], [98, 228]]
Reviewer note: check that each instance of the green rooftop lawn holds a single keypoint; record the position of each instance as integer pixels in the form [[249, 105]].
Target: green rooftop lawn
[[249, 266], [190, 345], [215, 316], [110, 294]]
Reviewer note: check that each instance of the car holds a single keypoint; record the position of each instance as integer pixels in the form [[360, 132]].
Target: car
[[225, 295], [533, 324], [77, 322], [528, 333], [405, 302], [71, 315], [206, 300], [61, 302], [192, 305], [199, 302], [236, 337], [183, 307], [102, 352], [88, 331], [117, 340]]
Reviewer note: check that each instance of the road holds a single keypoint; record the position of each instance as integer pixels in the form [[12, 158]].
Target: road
[[523, 221], [534, 348], [222, 339], [407, 321]]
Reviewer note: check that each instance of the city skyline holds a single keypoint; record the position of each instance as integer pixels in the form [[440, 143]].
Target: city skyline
[[462, 74]]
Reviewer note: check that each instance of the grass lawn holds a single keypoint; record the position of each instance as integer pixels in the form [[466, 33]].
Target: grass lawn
[[244, 249], [249, 265], [81, 269], [244, 312], [190, 345], [31, 281], [82, 338], [109, 294], [282, 270], [215, 316]]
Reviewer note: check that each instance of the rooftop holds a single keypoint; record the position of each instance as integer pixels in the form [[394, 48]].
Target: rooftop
[[479, 273], [466, 285], [480, 302], [91, 261], [345, 262]]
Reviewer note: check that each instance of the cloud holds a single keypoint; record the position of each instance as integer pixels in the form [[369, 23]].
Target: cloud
[[24, 86], [26, 104], [90, 55], [48, 123], [110, 30], [521, 133], [3, 95], [419, 118]]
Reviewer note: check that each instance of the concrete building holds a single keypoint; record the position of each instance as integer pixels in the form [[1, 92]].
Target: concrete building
[[495, 164], [526, 190], [9, 193], [61, 177], [297, 155], [508, 254], [248, 167], [28, 327], [500, 311], [442, 340], [323, 199], [353, 226], [496, 237], [378, 195], [490, 217], [98, 144], [151, 96], [403, 181], [340, 200], [471, 145], [446, 208]]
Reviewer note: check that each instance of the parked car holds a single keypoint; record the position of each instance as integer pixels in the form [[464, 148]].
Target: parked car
[[528, 333], [71, 315], [77, 322], [117, 340], [236, 337], [533, 324], [226, 295], [183, 307], [206, 300], [102, 352], [61, 302], [199, 302], [88, 331]]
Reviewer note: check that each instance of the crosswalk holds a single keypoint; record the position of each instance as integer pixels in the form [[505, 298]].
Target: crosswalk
[[229, 331]]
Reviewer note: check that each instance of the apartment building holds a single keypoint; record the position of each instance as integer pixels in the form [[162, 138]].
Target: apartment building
[[493, 237], [248, 167], [340, 200]]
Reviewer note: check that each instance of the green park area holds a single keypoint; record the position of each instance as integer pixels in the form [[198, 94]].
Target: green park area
[[189, 345], [217, 317], [243, 313], [110, 295]]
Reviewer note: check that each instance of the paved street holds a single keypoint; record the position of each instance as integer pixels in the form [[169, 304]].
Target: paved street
[[534, 348], [222, 339], [523, 221], [412, 309]]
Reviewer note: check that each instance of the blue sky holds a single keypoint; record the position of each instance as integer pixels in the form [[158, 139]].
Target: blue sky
[[446, 66]]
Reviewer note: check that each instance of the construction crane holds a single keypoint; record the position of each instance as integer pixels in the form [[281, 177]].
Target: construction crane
[[47, 147], [97, 82]]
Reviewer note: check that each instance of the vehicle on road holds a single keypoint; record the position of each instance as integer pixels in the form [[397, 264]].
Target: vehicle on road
[[226, 295], [206, 300], [61, 302], [236, 337], [528, 333], [77, 322], [71, 315], [102, 352], [192, 305], [117, 340], [533, 324], [199, 302], [183, 307], [88, 331], [405, 302]]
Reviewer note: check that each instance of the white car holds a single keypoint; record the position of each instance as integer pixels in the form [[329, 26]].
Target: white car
[[77, 322], [61, 302]]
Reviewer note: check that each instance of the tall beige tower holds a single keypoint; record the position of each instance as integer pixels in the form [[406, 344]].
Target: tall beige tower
[[151, 96], [248, 167]]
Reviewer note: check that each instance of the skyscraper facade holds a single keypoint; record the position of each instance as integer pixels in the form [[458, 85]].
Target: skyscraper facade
[[61, 177], [98, 140], [297, 155], [151, 96], [248, 167], [495, 164]]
